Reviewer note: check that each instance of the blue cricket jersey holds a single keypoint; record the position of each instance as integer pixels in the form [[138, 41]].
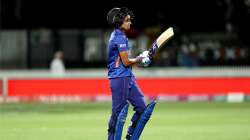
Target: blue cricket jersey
[[118, 42]]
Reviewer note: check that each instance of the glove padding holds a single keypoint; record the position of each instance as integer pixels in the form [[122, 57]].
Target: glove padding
[[145, 61]]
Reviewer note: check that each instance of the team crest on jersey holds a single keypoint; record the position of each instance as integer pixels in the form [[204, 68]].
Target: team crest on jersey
[[122, 45]]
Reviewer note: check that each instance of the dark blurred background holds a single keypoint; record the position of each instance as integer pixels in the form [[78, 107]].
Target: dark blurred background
[[207, 32]]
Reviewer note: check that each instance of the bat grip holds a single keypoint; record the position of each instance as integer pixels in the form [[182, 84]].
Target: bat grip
[[152, 50]]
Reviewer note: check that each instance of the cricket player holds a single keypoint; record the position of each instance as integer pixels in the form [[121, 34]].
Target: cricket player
[[122, 81]]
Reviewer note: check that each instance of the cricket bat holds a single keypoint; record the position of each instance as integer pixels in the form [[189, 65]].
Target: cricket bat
[[164, 37], [160, 41]]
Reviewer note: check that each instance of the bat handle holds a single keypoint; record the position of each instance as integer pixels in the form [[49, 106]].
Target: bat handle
[[152, 50]]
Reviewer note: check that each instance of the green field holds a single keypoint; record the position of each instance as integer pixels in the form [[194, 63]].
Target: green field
[[88, 121]]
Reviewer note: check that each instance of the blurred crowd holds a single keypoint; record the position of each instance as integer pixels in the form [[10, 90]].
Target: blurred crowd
[[83, 49], [204, 52], [207, 33]]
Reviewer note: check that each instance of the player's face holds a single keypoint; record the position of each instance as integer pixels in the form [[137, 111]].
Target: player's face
[[126, 23]]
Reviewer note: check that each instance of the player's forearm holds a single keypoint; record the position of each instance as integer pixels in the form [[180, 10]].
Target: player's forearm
[[130, 61]]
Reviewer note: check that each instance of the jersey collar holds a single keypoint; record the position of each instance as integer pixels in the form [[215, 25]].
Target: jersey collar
[[119, 32]]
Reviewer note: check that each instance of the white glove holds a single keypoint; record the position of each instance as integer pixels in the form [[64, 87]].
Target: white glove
[[145, 61], [144, 54]]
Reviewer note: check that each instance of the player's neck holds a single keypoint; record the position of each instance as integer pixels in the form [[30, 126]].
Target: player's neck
[[123, 30]]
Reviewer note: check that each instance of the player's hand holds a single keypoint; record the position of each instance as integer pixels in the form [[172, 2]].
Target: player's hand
[[139, 59], [146, 61], [144, 54], [145, 58]]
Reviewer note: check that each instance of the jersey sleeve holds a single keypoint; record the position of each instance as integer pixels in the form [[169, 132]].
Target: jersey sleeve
[[122, 44]]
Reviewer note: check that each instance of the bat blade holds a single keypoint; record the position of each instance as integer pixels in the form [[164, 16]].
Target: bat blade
[[164, 37]]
